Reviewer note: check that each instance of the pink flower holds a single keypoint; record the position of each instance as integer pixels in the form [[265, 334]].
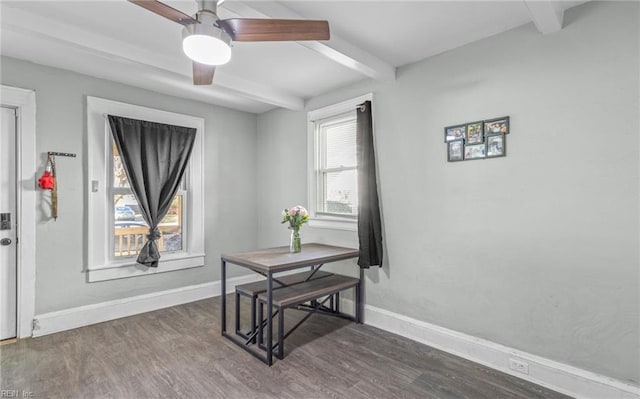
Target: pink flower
[[298, 209], [296, 216]]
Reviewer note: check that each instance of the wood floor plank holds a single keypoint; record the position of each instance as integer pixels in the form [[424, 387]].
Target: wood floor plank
[[8, 341], [178, 353]]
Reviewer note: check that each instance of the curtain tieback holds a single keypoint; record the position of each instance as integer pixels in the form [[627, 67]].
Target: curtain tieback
[[154, 234]]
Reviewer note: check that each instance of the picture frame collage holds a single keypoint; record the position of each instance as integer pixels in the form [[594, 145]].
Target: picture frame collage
[[477, 140]]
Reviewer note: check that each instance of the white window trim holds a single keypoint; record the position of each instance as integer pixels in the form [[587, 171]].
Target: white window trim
[[99, 265], [315, 219]]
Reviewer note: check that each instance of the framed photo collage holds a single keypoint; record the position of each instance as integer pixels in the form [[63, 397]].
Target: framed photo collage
[[477, 140]]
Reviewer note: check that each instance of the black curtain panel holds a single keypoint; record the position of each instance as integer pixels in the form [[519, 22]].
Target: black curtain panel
[[369, 223], [155, 157]]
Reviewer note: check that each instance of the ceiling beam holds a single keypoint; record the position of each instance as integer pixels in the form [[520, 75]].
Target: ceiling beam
[[546, 15], [173, 71], [337, 49]]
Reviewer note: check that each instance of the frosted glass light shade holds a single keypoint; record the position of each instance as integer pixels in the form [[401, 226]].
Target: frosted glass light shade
[[206, 49]]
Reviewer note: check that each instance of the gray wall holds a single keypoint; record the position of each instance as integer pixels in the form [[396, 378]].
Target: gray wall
[[537, 251], [230, 147]]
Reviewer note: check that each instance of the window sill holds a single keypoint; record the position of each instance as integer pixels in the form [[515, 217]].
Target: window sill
[[333, 223], [168, 263]]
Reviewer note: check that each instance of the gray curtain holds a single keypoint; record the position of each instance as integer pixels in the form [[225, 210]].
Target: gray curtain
[[369, 223], [155, 157]]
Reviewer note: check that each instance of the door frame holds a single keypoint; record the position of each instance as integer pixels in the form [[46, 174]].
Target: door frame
[[24, 101]]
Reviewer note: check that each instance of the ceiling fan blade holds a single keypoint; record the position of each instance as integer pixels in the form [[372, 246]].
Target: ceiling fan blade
[[265, 30], [165, 11], [203, 74]]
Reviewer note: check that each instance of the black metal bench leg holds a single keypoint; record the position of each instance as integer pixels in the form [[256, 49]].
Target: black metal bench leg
[[253, 317], [281, 333], [337, 302], [260, 317]]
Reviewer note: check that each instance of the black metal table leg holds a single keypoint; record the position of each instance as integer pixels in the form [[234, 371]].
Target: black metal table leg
[[360, 299], [281, 334], [223, 296], [270, 319]]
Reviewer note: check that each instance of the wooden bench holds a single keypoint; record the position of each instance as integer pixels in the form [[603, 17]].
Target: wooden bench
[[252, 290], [298, 294]]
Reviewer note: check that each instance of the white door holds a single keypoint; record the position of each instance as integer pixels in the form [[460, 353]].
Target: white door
[[8, 262]]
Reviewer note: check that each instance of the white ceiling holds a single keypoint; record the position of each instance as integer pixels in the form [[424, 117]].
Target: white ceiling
[[119, 41]]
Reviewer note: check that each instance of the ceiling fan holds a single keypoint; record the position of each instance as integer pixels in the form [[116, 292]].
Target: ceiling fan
[[207, 38]]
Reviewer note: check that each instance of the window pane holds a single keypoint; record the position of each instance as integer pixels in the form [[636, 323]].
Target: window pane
[[130, 230], [341, 192], [171, 226], [119, 175], [340, 144]]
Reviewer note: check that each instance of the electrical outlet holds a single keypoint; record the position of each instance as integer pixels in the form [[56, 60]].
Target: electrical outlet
[[519, 366]]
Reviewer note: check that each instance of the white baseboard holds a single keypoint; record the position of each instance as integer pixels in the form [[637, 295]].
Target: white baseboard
[[49, 323], [548, 373]]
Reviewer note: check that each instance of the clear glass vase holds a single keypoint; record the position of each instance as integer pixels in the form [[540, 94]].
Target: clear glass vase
[[295, 245]]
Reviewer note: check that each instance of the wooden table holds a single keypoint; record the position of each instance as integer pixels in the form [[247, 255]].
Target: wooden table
[[269, 261]]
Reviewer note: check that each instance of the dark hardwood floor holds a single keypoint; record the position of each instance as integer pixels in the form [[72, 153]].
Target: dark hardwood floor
[[178, 353]]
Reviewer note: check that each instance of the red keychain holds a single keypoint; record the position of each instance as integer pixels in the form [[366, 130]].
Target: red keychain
[[48, 182]]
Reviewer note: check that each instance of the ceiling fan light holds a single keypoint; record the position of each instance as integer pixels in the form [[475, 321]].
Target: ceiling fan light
[[204, 42], [206, 49]]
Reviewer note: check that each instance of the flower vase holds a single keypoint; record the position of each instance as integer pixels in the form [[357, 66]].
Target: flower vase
[[295, 245]]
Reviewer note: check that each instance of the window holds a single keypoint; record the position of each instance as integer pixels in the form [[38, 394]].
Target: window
[[116, 229], [333, 185], [337, 184], [129, 229]]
